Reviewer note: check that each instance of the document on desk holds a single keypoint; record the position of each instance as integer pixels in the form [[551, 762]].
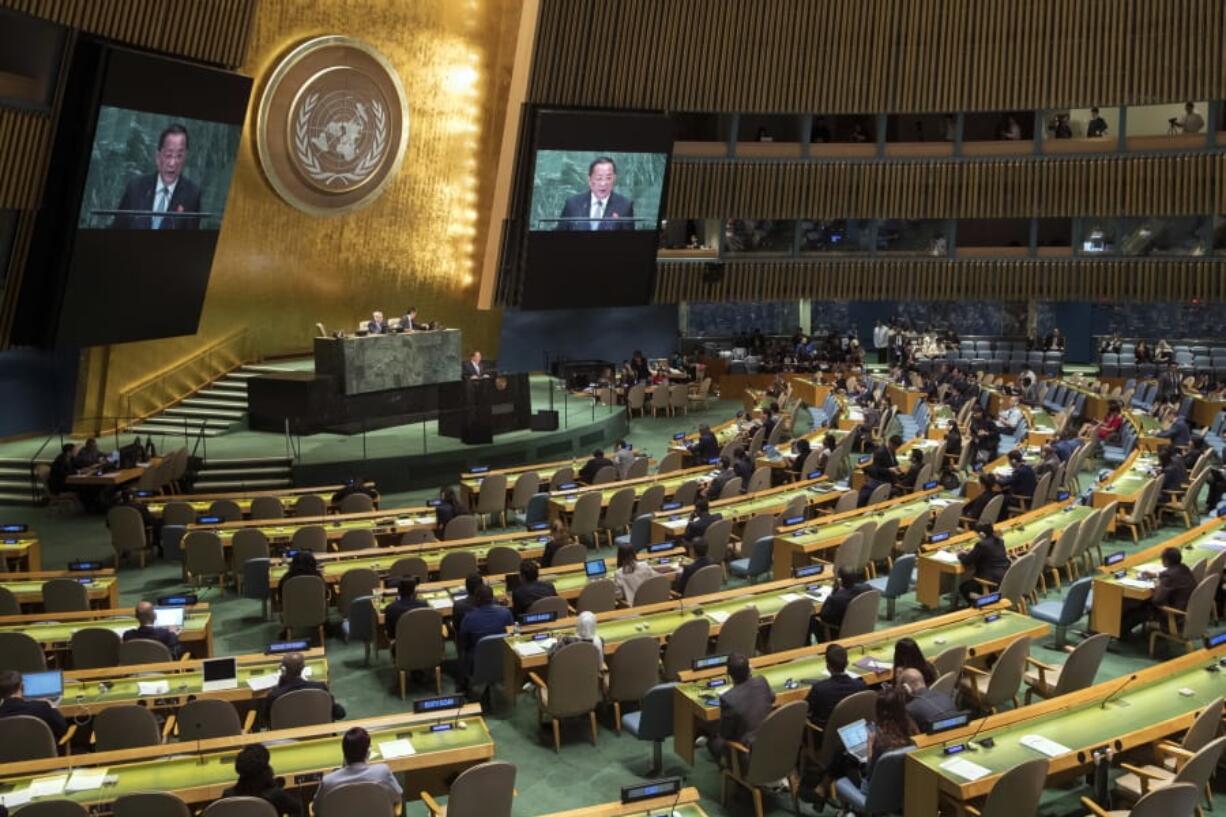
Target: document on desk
[[152, 687], [947, 556], [48, 786], [1141, 584], [440, 604], [1044, 745], [527, 649], [965, 769], [13, 799], [718, 616], [86, 779], [259, 683], [791, 596], [392, 749]]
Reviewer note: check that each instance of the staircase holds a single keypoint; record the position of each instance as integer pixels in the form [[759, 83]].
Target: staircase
[[15, 484], [211, 411], [254, 473]]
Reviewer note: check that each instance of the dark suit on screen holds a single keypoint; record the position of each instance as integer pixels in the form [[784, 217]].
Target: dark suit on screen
[[469, 370], [141, 193], [580, 206]]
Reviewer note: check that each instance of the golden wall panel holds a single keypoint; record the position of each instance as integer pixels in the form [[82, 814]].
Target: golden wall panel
[[931, 279], [277, 270], [858, 56], [1117, 186]]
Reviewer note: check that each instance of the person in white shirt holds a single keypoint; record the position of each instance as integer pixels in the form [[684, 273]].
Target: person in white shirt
[[1191, 121], [881, 340], [356, 748], [631, 573], [623, 458], [1010, 416]]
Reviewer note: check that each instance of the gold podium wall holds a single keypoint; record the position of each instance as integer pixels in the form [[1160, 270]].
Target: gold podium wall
[[278, 271]]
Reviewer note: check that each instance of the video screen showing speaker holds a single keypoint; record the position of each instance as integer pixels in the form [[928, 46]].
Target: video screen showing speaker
[[137, 195], [598, 182]]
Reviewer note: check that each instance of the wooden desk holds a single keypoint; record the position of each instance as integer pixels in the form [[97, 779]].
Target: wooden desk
[[199, 772], [797, 546], [787, 450], [668, 525], [1112, 595], [1042, 426], [925, 444], [523, 653], [54, 637], [725, 433], [1204, 411], [22, 554], [388, 524], [98, 478], [1000, 467], [562, 503], [200, 502], [810, 388], [102, 586], [939, 568], [1125, 482], [1150, 709], [683, 805], [903, 398], [873, 661]]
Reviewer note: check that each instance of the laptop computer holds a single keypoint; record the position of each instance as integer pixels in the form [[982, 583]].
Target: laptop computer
[[855, 739], [220, 673], [167, 616], [595, 568], [43, 686]]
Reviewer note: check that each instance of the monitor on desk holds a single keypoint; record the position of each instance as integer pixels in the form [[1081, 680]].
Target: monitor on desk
[[168, 616], [220, 673]]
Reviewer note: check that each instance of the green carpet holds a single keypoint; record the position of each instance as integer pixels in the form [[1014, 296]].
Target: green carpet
[[582, 774]]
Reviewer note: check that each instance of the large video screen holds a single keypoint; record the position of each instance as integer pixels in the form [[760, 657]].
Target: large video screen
[[136, 197], [597, 185]]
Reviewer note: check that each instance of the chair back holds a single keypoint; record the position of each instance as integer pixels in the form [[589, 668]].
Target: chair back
[[487, 660], [310, 505], [899, 580], [797, 506], [366, 798], [414, 566], [671, 462], [656, 708], [419, 640], [526, 485], [1173, 800], [686, 492], [950, 659], [310, 537], [1082, 664], [756, 527], [852, 708], [739, 633], [248, 543], [706, 580], [1204, 728], [991, 511], [207, 718], [947, 520], [178, 513], [304, 602], [689, 641], [791, 626], [54, 808], [572, 554], [1200, 608], [493, 495], [355, 582], [239, 807], [574, 680], [1013, 584], [634, 668], [848, 553], [650, 500], [599, 596], [880, 494], [586, 516], [1007, 673], [501, 560], [884, 538], [203, 554], [302, 707], [64, 595], [460, 527], [143, 651], [150, 804], [653, 591], [761, 554], [717, 535], [912, 538], [457, 564], [418, 536], [861, 615], [227, 509], [25, 737], [267, 507], [126, 726], [759, 480], [357, 539], [561, 476], [846, 502], [885, 787], [94, 647], [127, 530], [947, 684], [1018, 790], [550, 604], [357, 503], [620, 507], [731, 488], [777, 744], [484, 790], [605, 475]]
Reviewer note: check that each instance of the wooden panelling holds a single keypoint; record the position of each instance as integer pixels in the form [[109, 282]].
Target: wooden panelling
[[213, 31], [24, 140], [1117, 186], [859, 56], [922, 279]]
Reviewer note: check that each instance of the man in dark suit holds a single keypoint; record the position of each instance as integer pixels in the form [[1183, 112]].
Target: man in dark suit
[[599, 208], [376, 325], [1174, 471], [472, 369], [531, 588], [707, 447], [987, 560], [1177, 432], [466, 605], [62, 467], [406, 600], [699, 548], [742, 708], [1021, 484], [1173, 587], [926, 705], [11, 704], [701, 519], [851, 584], [409, 322], [716, 486], [292, 667], [743, 466], [825, 694], [882, 470], [145, 616], [592, 467], [166, 191]]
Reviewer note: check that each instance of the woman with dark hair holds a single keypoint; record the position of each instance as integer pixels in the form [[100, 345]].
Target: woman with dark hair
[[908, 655], [631, 573], [256, 779], [448, 508], [559, 537], [1108, 426], [986, 560], [302, 564], [893, 729]]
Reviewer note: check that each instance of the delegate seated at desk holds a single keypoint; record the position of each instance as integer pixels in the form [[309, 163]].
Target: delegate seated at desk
[[355, 746], [12, 704], [376, 325], [169, 636], [292, 679]]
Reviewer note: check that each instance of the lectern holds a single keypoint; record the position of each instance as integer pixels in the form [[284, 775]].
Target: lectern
[[476, 410]]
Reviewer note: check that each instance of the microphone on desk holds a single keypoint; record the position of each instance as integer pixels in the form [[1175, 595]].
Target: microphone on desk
[[1117, 691]]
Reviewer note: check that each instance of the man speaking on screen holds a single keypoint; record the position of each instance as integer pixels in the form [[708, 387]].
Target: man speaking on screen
[[166, 191], [599, 208]]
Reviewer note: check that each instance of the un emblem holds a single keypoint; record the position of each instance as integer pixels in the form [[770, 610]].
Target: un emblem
[[332, 125]]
